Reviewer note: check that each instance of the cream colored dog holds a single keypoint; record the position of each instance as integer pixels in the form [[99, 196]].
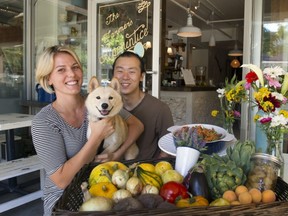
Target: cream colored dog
[[103, 102]]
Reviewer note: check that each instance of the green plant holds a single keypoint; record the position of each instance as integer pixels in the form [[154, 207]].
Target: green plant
[[189, 137], [232, 94]]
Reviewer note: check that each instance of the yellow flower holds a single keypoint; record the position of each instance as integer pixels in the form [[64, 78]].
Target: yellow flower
[[214, 113], [256, 117], [267, 106], [261, 94], [284, 113], [230, 95]]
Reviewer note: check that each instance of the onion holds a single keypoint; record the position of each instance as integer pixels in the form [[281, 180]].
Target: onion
[[134, 185], [119, 178], [97, 204], [121, 194], [150, 189]]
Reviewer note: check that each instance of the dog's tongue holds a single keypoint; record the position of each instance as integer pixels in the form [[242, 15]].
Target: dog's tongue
[[104, 112]]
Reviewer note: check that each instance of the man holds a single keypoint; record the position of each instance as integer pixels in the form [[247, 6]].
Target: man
[[156, 116]]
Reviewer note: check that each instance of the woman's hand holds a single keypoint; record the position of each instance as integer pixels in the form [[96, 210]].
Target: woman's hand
[[106, 157], [102, 129]]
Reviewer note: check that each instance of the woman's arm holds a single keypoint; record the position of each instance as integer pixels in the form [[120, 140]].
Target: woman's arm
[[65, 174], [135, 129], [50, 146]]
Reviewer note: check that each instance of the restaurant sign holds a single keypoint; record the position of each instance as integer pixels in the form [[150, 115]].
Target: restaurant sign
[[123, 26]]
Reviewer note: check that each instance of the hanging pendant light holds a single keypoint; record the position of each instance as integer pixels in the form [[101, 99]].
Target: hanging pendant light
[[212, 41], [169, 51], [235, 63], [235, 52], [189, 30]]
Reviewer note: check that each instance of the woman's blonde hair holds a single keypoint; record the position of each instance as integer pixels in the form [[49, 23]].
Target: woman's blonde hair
[[45, 65]]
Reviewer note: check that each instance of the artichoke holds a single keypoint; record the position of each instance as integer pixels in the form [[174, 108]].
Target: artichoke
[[241, 154], [222, 174]]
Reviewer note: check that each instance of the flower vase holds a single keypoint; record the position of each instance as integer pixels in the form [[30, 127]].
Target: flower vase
[[261, 142], [228, 126], [186, 158], [274, 147]]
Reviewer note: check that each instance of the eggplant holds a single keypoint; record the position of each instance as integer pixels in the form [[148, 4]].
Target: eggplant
[[196, 182]]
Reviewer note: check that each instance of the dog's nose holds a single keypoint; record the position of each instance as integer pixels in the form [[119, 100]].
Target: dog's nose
[[104, 106]]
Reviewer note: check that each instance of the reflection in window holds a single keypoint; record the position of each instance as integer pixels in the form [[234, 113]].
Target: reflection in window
[[67, 26], [274, 39], [11, 53]]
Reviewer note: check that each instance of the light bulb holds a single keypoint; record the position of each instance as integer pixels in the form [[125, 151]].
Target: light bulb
[[235, 63]]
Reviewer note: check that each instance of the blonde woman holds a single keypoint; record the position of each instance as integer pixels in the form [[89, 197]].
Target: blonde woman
[[59, 129]]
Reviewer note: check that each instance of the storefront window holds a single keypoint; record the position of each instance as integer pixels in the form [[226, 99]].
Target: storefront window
[[11, 55], [122, 25], [275, 34], [62, 22], [274, 44]]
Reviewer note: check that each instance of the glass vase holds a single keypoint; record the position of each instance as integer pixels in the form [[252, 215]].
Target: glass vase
[[228, 126], [274, 147]]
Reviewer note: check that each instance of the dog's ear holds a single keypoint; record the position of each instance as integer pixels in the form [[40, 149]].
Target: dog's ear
[[115, 84], [93, 84]]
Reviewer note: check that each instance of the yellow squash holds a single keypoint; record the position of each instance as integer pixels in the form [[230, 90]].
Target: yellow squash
[[147, 166], [116, 165], [105, 189], [148, 177], [103, 172]]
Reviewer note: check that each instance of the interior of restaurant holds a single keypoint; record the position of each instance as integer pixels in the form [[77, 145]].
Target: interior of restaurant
[[231, 33]]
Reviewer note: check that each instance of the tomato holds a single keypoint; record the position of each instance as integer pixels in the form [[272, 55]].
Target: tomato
[[172, 190], [193, 201]]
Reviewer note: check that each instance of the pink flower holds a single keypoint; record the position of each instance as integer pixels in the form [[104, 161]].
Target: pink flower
[[272, 82], [265, 120], [247, 86], [237, 114]]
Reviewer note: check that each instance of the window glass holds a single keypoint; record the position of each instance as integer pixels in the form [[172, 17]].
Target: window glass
[[275, 33], [11, 55], [122, 25], [274, 39], [62, 22]]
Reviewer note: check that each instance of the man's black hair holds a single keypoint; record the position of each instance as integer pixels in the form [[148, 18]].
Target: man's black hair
[[130, 54]]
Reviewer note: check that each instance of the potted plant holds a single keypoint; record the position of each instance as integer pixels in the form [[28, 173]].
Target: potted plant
[[189, 143]]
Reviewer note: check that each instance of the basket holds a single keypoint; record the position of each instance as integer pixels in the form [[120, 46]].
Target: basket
[[72, 199]]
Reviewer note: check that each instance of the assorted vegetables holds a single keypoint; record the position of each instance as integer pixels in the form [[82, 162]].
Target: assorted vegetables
[[214, 181]]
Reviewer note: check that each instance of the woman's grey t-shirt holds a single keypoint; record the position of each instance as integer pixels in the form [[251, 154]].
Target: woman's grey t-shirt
[[55, 142]]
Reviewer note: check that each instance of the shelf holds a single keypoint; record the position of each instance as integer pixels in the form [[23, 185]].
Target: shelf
[[76, 9], [179, 45]]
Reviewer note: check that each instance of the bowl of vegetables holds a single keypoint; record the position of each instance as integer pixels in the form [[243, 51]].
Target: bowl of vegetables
[[208, 139]]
